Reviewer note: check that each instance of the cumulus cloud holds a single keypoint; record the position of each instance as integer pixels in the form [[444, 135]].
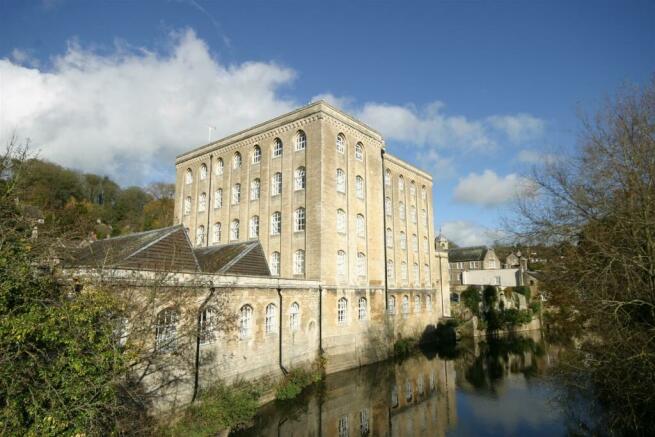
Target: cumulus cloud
[[530, 156], [434, 163], [488, 189], [128, 113], [519, 127], [465, 233]]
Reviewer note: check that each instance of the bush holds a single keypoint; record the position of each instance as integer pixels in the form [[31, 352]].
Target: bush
[[535, 307], [471, 299], [297, 379], [525, 291], [404, 346]]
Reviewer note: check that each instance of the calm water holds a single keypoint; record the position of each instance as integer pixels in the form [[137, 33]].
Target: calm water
[[486, 388]]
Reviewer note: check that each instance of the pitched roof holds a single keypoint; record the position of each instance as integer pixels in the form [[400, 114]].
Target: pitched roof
[[243, 258], [165, 249], [461, 254]]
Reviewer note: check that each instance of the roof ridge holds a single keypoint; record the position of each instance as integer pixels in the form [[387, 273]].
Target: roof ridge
[[237, 258], [156, 240]]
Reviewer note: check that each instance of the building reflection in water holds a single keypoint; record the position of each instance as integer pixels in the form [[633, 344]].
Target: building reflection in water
[[413, 397]]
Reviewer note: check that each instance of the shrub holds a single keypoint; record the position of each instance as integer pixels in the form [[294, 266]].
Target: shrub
[[525, 291], [535, 307], [297, 379], [471, 299], [404, 346]]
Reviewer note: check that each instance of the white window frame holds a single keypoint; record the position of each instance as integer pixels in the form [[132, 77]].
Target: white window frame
[[341, 143], [256, 154], [202, 202], [236, 160], [254, 226], [207, 322], [387, 177], [217, 231], [416, 272], [359, 152], [391, 305], [401, 210], [405, 306], [220, 167], [359, 187], [389, 237], [414, 243], [234, 230], [403, 271], [218, 198], [401, 183], [255, 189], [342, 311], [299, 221], [390, 270], [361, 226], [417, 304], [403, 240], [341, 181], [187, 205], [278, 148], [276, 184], [294, 317], [301, 141], [276, 223], [387, 206], [361, 264], [236, 194], [299, 179], [188, 176], [362, 309], [270, 322], [202, 174], [341, 221], [299, 262], [341, 263], [275, 264], [245, 322], [200, 235], [166, 330]]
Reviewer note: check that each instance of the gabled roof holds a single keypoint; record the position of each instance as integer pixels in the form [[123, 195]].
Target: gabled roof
[[243, 258], [462, 254], [165, 249]]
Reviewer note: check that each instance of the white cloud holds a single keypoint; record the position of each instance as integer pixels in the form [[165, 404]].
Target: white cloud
[[435, 164], [488, 189], [344, 103], [128, 113], [530, 156], [465, 233], [519, 127]]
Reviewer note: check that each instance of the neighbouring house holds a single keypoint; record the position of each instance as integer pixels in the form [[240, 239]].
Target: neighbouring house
[[464, 259]]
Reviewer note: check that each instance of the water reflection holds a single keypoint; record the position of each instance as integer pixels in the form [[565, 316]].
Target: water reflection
[[491, 387]]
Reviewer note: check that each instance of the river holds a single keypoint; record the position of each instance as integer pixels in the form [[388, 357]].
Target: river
[[492, 387]]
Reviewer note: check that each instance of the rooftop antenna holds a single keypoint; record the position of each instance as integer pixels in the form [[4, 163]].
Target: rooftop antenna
[[209, 133]]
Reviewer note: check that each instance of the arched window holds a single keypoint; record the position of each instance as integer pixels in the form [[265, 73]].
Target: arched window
[[412, 210], [219, 167], [409, 391], [426, 279], [426, 244], [390, 272], [361, 226], [424, 217], [236, 194], [254, 226], [276, 184], [401, 183], [387, 177], [414, 243], [359, 151], [391, 305], [341, 143], [255, 189], [428, 303], [394, 396], [359, 187], [412, 189], [424, 193], [245, 321], [389, 237], [217, 232], [341, 263], [275, 263], [277, 148], [203, 172], [256, 154], [188, 177], [403, 240], [236, 160], [218, 198], [341, 221], [416, 274], [363, 422], [361, 264], [166, 330], [299, 262], [234, 230], [187, 205], [271, 318], [299, 220], [294, 317], [419, 385], [341, 181], [342, 426], [301, 140], [299, 179], [362, 313], [417, 304], [401, 210], [387, 206], [403, 271], [405, 307], [207, 322], [342, 311], [276, 223], [202, 202], [200, 235]]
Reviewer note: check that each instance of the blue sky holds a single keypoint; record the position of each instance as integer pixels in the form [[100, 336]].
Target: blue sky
[[475, 92]]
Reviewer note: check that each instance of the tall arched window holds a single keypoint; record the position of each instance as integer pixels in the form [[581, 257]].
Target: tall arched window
[[254, 226], [342, 311], [299, 262], [341, 143], [359, 151], [414, 243], [276, 184], [341, 221], [277, 148], [219, 167], [391, 305], [203, 172], [271, 319], [207, 322], [218, 198], [390, 271], [299, 220], [294, 317], [255, 189], [275, 263], [341, 263], [166, 330], [301, 140], [417, 304], [202, 202], [361, 226], [389, 237], [276, 223], [359, 187], [426, 244], [256, 154], [403, 240], [234, 230], [363, 307], [236, 160], [387, 177], [387, 206], [401, 183], [405, 307], [416, 274], [217, 232], [424, 193], [361, 264], [188, 177], [200, 235], [187, 205], [403, 271], [426, 275], [401, 210], [412, 211], [412, 189], [341, 181], [428, 303], [236, 194], [245, 321], [299, 179]]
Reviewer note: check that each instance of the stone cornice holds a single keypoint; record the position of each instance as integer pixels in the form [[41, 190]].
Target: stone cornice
[[400, 163]]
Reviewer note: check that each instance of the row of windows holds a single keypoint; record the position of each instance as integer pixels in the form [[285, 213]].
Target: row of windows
[[364, 430], [404, 273], [388, 209], [403, 241], [277, 149], [473, 265], [409, 389], [401, 185], [418, 304]]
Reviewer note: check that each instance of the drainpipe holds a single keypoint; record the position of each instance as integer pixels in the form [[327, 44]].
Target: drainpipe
[[320, 319], [198, 327], [284, 369], [210, 199], [384, 234]]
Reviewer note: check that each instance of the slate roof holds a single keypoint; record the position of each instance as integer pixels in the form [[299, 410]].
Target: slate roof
[[165, 249], [462, 254], [243, 258]]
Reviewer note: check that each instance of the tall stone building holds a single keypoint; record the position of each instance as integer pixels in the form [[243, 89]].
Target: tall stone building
[[317, 188]]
